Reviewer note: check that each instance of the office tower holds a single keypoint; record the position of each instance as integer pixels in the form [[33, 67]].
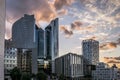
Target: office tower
[[24, 36], [51, 35], [70, 65], [104, 72], [2, 36], [90, 49], [24, 58], [51, 41], [41, 44], [24, 32], [10, 58]]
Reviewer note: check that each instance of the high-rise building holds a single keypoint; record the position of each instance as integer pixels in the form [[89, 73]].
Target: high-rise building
[[10, 58], [24, 36], [90, 49], [2, 36], [24, 32], [52, 42], [41, 43], [70, 65], [104, 72], [52, 39]]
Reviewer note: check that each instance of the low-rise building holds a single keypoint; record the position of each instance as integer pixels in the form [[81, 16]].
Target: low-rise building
[[69, 65], [104, 72]]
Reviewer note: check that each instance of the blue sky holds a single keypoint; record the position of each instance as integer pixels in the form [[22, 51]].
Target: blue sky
[[78, 20]]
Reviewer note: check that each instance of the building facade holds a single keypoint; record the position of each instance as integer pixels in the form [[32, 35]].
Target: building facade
[[24, 60], [90, 49], [10, 58], [25, 36], [104, 72], [52, 39], [2, 36], [70, 65], [24, 32], [41, 43], [52, 42]]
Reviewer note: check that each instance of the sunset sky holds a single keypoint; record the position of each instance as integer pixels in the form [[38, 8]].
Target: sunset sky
[[78, 20]]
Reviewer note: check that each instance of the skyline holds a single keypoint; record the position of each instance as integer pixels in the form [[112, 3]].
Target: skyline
[[79, 20]]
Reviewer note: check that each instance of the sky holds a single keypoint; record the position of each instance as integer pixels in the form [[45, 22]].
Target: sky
[[78, 20]]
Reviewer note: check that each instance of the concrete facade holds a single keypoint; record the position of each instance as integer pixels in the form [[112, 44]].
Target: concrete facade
[[90, 49], [104, 72], [2, 36], [70, 65]]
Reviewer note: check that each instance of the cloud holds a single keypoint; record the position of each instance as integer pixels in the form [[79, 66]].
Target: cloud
[[76, 25], [112, 60], [40, 8], [108, 45], [62, 12], [68, 33], [59, 4]]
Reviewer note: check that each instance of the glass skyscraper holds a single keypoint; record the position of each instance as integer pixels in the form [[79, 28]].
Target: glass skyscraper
[[52, 42], [41, 43], [24, 32], [52, 39]]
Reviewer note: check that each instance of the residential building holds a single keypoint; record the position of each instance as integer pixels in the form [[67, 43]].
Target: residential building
[[104, 72], [70, 65], [24, 60], [10, 58]]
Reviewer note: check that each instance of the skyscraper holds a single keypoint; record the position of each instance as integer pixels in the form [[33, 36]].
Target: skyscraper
[[90, 49], [41, 43], [24, 36], [24, 32], [51, 41]]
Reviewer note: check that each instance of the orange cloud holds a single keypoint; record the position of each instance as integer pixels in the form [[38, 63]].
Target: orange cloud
[[108, 45], [61, 3], [112, 60]]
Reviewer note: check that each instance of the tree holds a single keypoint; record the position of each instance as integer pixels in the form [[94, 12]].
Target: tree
[[15, 74], [41, 76], [25, 76], [61, 77]]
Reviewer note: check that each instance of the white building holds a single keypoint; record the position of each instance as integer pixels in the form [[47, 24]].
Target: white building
[[70, 65], [10, 58], [104, 72]]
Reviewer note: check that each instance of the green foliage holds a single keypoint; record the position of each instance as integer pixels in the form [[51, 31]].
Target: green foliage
[[61, 77], [15, 74], [25, 76], [41, 76]]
